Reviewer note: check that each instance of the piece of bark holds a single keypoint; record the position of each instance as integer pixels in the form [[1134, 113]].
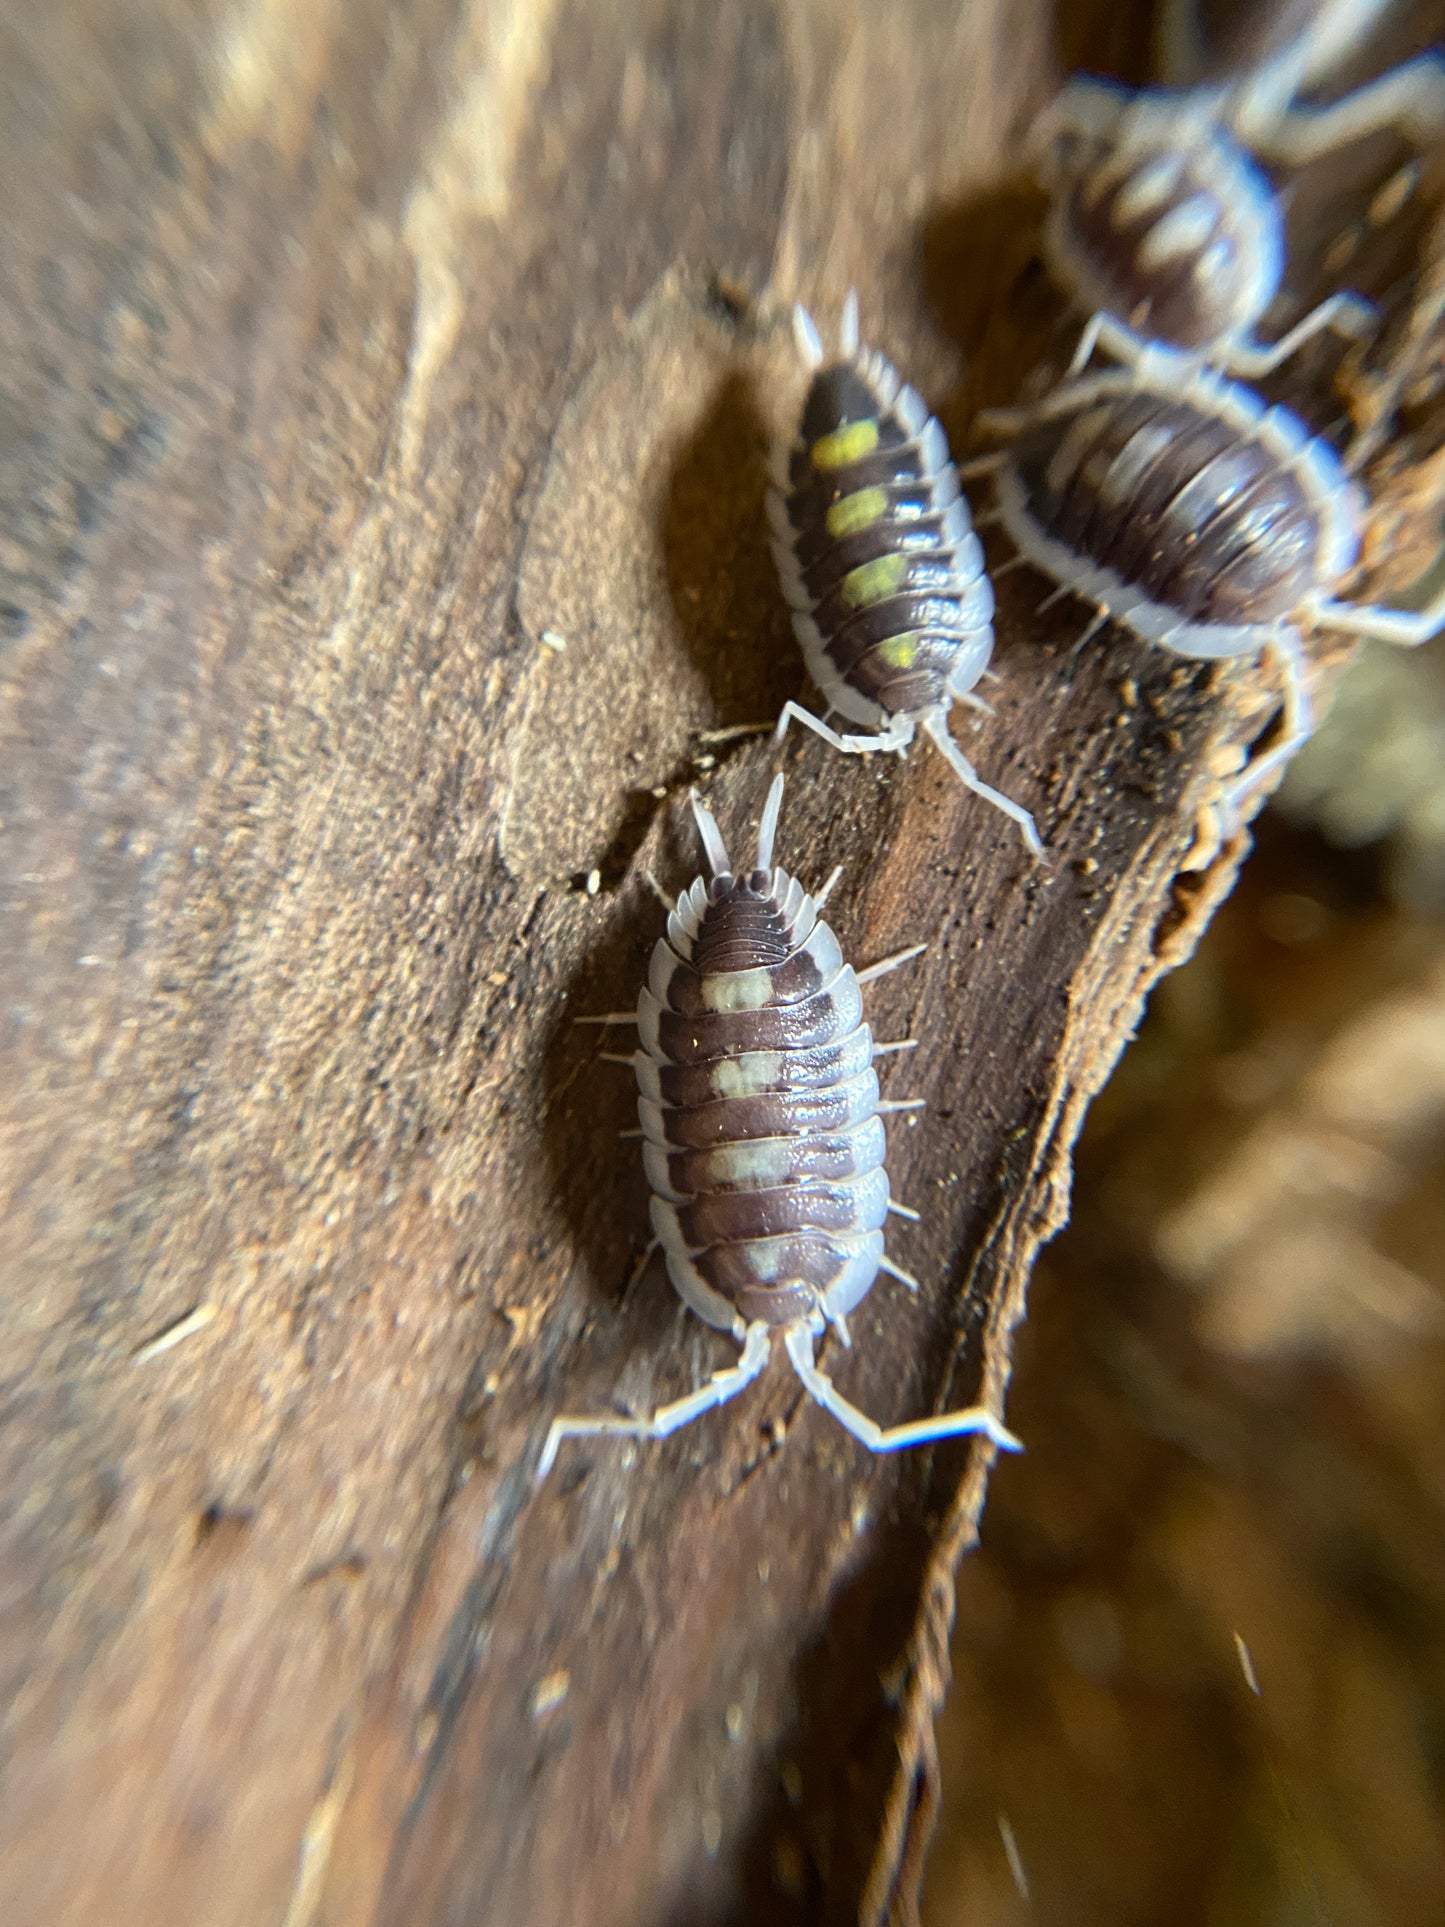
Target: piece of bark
[[352, 357]]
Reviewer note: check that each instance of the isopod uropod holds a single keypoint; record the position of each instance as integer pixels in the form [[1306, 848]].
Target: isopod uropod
[[763, 1136], [1176, 502], [1162, 226], [879, 561]]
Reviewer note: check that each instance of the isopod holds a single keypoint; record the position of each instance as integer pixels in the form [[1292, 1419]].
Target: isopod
[[1161, 224], [1176, 502], [763, 1136], [879, 561]]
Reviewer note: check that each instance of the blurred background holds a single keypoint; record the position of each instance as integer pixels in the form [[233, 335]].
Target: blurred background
[[1199, 1664]]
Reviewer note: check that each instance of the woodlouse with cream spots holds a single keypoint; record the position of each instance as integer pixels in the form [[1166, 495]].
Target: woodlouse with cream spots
[[763, 1137], [1163, 226]]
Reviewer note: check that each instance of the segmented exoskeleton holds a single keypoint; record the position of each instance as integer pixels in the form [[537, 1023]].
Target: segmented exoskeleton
[[879, 561], [1161, 224], [1176, 501], [763, 1135]]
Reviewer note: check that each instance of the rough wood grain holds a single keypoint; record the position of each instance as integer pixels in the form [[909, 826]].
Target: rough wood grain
[[344, 350]]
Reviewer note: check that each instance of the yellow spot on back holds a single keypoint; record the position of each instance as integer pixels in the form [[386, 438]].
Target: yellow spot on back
[[844, 445], [737, 990], [874, 581], [900, 652], [850, 514]]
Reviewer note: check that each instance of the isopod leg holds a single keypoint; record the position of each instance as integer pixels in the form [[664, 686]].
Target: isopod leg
[[1298, 724], [721, 1387], [634, 1277], [1407, 628], [850, 745], [1412, 99], [1104, 331], [896, 1438], [1095, 624], [1346, 314], [1088, 342], [894, 962], [936, 725], [983, 465], [984, 707]]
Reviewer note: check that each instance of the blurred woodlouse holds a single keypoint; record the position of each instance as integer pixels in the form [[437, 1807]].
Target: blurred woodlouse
[[1179, 504], [763, 1136], [879, 561], [1161, 224]]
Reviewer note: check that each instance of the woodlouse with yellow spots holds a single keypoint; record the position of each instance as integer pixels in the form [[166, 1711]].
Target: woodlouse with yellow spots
[[879, 560]]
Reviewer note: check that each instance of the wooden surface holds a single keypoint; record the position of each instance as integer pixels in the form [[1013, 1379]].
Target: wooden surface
[[344, 351]]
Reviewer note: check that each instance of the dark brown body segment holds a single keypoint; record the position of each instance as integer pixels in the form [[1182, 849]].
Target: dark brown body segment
[[760, 1107], [1116, 218], [1179, 504]]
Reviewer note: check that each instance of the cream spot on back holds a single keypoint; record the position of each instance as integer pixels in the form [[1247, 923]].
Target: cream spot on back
[[736, 990], [745, 1076], [765, 1161], [1071, 450], [1216, 260], [1183, 231], [1146, 189], [1121, 476]]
